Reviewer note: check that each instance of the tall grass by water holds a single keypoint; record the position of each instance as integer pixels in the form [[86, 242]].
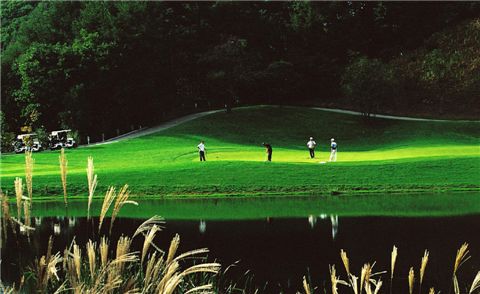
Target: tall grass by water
[[121, 271], [63, 173], [371, 281], [106, 265]]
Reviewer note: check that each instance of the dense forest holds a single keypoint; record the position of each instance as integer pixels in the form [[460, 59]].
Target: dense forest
[[110, 67]]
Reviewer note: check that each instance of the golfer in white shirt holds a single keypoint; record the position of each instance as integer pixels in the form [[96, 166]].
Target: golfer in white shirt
[[311, 147], [201, 150], [333, 150]]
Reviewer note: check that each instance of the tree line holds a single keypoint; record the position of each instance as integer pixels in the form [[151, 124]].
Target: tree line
[[107, 67]]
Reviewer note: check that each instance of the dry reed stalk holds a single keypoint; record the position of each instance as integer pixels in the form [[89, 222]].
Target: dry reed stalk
[[41, 271], [475, 283], [122, 199], [394, 259], [149, 270], [19, 195], [354, 283], [392, 265], [148, 224], [115, 268], [423, 266], [158, 269], [333, 279], [169, 271], [103, 251], [46, 267], [173, 249], [29, 161], [77, 259], [107, 201], [91, 249], [206, 289], [344, 257], [123, 249], [191, 253], [23, 227], [63, 173], [365, 276], [432, 291], [306, 286], [52, 266], [148, 240], [26, 213], [411, 280], [461, 257], [70, 267], [5, 213], [378, 285], [212, 267], [92, 182], [172, 283]]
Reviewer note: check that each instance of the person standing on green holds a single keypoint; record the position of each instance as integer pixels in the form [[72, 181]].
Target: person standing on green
[[311, 147], [202, 150], [268, 148], [333, 150]]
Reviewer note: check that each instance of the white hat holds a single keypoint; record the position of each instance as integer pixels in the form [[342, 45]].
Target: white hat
[[332, 139]]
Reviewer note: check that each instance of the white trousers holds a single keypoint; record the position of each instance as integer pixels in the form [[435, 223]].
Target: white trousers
[[333, 155]]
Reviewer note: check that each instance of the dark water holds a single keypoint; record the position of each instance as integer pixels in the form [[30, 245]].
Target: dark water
[[280, 251]]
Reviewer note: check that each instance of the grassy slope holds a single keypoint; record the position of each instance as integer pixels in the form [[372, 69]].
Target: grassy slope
[[378, 155]]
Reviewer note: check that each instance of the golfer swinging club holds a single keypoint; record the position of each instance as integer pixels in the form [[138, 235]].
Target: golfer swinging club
[[333, 150]]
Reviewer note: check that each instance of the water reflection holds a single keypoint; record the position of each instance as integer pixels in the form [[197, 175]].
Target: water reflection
[[334, 220], [261, 243], [202, 227], [38, 221], [312, 221]]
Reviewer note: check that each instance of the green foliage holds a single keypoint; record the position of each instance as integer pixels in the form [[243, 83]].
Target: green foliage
[[6, 137], [443, 76], [42, 135], [302, 15], [368, 84], [103, 66]]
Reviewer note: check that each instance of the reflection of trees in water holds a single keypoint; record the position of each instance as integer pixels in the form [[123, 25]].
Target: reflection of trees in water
[[312, 221]]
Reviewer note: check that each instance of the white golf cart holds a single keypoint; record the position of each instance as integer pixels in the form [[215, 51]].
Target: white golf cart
[[61, 139], [27, 142]]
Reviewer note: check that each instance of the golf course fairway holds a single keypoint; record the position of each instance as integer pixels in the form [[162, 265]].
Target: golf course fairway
[[374, 155]]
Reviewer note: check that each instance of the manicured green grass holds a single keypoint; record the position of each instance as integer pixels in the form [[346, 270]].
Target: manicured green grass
[[376, 155]]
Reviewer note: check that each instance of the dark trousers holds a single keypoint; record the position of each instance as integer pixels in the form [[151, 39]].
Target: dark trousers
[[269, 156], [312, 152], [202, 155]]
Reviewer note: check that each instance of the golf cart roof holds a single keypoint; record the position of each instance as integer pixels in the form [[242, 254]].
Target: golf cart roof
[[54, 133], [26, 135]]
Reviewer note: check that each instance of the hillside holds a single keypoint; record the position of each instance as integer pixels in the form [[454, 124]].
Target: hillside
[[377, 155]]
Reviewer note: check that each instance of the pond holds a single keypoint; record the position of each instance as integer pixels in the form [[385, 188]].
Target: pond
[[292, 238]]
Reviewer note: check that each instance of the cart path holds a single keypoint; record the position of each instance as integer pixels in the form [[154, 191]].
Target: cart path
[[190, 117], [160, 127], [390, 116]]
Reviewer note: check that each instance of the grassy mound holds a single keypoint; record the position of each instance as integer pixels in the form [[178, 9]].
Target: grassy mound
[[375, 155]]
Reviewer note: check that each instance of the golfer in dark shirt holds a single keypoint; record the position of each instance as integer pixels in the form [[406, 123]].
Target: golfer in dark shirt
[[268, 148]]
